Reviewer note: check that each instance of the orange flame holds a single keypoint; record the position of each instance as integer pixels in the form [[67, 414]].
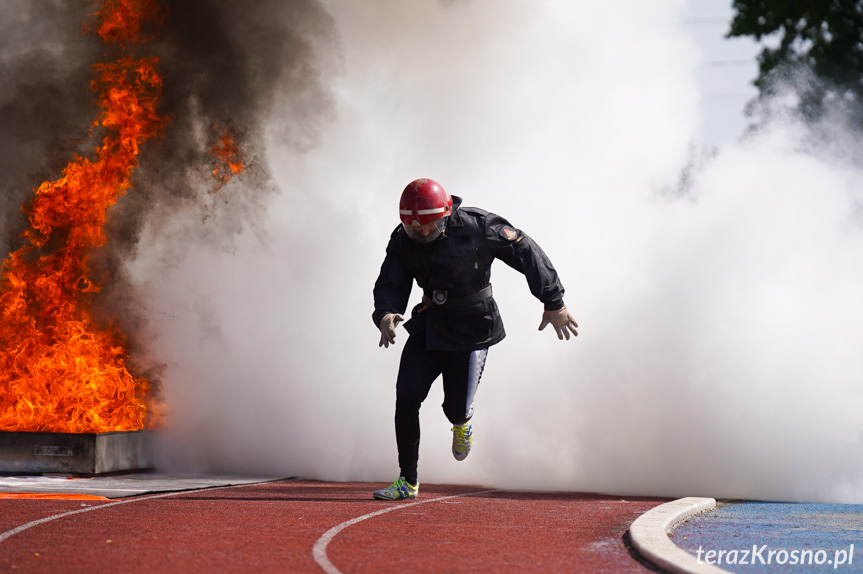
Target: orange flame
[[227, 152], [122, 21], [59, 371]]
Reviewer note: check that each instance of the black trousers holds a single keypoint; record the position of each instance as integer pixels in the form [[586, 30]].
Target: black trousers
[[418, 369]]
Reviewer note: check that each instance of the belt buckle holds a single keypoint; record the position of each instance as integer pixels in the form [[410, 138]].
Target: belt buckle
[[439, 296]]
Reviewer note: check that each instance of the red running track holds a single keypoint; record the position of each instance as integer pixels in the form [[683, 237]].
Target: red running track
[[306, 526]]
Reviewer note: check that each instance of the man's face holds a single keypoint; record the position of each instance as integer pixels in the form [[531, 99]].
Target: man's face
[[425, 233]]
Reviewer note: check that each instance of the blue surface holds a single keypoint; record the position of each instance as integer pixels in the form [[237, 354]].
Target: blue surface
[[801, 533]]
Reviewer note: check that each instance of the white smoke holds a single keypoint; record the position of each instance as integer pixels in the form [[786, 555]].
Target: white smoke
[[719, 346]]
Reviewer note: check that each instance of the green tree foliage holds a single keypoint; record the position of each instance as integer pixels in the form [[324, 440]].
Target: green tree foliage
[[825, 36]]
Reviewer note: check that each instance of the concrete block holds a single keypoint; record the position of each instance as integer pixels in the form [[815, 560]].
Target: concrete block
[[72, 453]]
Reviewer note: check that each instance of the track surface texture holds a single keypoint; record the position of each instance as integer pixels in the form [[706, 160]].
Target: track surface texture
[[283, 527], [814, 537]]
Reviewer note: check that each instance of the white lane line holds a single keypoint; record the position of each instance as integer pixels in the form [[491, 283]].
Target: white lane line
[[23, 527], [319, 550]]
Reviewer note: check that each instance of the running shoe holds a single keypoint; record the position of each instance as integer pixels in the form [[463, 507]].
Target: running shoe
[[462, 439], [399, 490]]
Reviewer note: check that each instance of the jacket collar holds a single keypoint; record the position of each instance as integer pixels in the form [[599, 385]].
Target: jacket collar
[[455, 218]]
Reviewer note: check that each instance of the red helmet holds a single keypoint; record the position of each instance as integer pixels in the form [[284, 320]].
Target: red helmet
[[424, 201]]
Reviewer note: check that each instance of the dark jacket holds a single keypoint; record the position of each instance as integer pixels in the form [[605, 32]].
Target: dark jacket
[[460, 263]]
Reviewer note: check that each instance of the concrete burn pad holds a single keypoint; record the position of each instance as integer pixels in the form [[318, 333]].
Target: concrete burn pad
[[123, 486]]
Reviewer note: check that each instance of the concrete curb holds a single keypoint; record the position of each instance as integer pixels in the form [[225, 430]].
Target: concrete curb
[[649, 536]]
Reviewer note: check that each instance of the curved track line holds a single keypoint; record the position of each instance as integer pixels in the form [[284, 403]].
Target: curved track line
[[649, 536], [27, 526], [319, 550]]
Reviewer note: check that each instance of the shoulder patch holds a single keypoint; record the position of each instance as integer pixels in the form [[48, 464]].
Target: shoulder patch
[[509, 233]]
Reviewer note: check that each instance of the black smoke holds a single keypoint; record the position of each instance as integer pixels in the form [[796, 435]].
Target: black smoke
[[46, 105]]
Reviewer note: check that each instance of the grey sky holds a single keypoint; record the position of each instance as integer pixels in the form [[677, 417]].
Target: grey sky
[[726, 72]]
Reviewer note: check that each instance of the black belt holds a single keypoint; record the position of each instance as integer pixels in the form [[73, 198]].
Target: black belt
[[441, 300]]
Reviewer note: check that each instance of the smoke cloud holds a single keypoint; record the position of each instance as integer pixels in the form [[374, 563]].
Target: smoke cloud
[[718, 352], [45, 105]]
